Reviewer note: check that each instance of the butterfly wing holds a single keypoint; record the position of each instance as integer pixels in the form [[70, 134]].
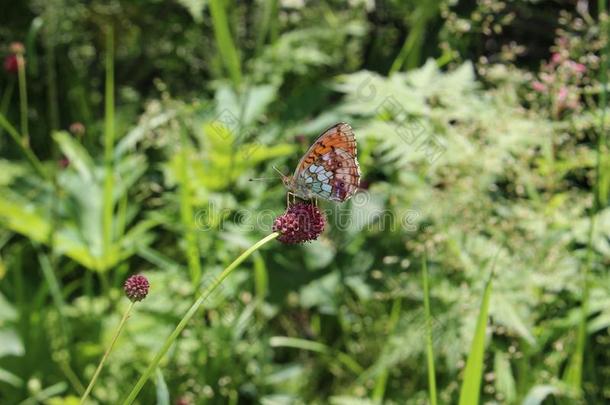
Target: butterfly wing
[[330, 168]]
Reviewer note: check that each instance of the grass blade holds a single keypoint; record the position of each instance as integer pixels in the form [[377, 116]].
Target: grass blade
[[429, 350], [471, 386], [224, 41], [574, 372], [108, 143]]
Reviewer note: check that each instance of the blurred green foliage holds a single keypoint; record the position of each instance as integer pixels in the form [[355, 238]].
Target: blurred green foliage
[[481, 131]]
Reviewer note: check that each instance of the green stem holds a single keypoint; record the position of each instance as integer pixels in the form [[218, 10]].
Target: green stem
[[190, 313], [29, 155], [51, 78], [186, 212], [224, 41], [108, 144], [574, 373], [107, 353], [429, 350], [23, 100]]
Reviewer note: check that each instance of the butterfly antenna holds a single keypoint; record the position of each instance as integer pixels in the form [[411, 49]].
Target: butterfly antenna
[[268, 178], [282, 175], [261, 178]]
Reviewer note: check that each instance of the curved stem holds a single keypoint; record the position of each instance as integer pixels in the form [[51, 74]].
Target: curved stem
[[107, 353], [23, 100], [190, 313]]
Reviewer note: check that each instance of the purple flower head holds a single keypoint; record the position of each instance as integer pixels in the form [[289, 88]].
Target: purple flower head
[[136, 287], [300, 223], [11, 65]]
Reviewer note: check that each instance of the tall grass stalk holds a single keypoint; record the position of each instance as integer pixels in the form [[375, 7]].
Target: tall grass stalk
[[410, 53], [51, 80], [23, 100], [224, 41], [186, 212], [7, 94], [574, 372], [268, 27], [471, 386], [429, 349], [108, 203], [98, 370], [190, 313]]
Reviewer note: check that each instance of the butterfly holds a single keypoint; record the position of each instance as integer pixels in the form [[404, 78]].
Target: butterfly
[[329, 169]]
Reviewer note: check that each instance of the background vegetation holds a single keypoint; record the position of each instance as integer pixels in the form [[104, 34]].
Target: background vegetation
[[482, 135]]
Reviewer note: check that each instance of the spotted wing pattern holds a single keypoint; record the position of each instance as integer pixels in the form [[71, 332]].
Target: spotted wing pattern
[[330, 168]]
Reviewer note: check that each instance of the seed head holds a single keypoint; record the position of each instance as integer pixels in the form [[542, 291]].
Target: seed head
[[136, 287], [300, 223], [77, 128], [11, 65], [16, 48]]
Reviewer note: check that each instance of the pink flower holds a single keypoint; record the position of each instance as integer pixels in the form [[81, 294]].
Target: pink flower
[[562, 95], [539, 86], [556, 58], [577, 67], [547, 78]]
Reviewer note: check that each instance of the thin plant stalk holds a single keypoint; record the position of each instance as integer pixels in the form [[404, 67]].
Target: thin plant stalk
[[24, 149], [6, 98], [574, 373], [268, 26], [429, 350], [23, 99], [108, 204], [190, 313], [224, 41], [186, 212], [107, 353]]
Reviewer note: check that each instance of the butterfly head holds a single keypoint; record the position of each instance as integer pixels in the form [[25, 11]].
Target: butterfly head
[[287, 180]]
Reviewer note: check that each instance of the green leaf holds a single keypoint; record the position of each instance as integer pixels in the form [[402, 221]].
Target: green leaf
[[10, 343], [161, 388], [10, 378], [505, 381], [539, 393], [77, 155], [471, 386]]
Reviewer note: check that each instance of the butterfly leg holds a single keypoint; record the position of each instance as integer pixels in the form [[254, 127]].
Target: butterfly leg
[[288, 195]]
